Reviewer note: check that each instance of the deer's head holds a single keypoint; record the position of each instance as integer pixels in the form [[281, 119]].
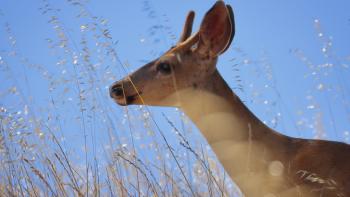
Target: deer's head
[[185, 66]]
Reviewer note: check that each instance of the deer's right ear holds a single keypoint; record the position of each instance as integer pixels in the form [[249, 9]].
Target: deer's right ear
[[217, 30]]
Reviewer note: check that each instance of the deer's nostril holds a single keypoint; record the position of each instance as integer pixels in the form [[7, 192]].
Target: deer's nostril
[[116, 90]]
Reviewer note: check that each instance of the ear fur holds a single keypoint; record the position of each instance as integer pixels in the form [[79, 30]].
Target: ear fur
[[233, 30], [216, 30]]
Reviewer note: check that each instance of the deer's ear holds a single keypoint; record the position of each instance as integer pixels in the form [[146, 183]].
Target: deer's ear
[[217, 30], [187, 30]]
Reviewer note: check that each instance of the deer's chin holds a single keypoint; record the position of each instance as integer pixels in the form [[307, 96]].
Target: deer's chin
[[128, 100]]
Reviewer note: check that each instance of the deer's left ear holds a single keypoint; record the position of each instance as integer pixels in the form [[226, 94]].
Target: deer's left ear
[[187, 30], [217, 30]]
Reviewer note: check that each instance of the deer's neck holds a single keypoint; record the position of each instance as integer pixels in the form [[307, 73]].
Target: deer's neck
[[235, 134]]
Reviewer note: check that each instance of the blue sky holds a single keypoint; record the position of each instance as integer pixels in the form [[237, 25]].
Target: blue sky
[[292, 59]]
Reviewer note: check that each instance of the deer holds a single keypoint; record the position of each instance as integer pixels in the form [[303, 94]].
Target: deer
[[260, 160]]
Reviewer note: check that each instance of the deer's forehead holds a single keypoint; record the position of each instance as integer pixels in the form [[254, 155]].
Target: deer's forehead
[[168, 55], [172, 56]]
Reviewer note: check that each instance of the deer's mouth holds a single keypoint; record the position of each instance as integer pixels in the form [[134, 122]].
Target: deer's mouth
[[127, 100], [130, 99]]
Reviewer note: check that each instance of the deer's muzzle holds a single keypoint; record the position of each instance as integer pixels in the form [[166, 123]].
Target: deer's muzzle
[[118, 92]]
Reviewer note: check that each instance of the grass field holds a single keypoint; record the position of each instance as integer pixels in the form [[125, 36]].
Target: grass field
[[61, 134]]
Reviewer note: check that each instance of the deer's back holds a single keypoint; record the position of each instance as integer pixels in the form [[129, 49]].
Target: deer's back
[[323, 167]]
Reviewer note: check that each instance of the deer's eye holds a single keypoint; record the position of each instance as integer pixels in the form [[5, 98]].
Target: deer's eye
[[164, 68]]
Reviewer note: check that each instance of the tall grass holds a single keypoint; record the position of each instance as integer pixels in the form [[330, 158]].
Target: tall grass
[[71, 142], [61, 137]]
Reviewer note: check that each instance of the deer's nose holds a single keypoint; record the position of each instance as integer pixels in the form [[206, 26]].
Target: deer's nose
[[116, 90]]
